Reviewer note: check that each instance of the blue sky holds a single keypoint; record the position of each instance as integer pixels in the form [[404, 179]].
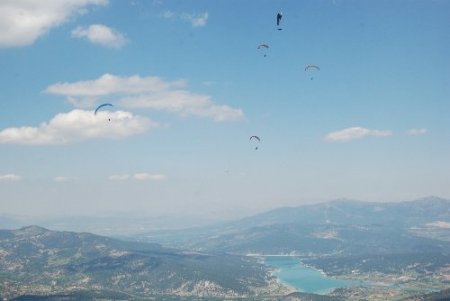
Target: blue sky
[[189, 87]]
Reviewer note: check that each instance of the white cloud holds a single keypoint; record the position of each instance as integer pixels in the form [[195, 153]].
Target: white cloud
[[10, 177], [108, 84], [142, 176], [24, 21], [101, 35], [62, 179], [439, 224], [416, 132], [78, 125], [169, 15], [196, 20], [355, 133], [149, 177], [184, 103], [119, 177], [146, 92]]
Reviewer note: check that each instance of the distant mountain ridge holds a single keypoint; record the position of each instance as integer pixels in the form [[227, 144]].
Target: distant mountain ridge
[[346, 211], [328, 226]]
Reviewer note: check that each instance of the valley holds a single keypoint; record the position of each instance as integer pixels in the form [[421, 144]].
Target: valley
[[375, 251]]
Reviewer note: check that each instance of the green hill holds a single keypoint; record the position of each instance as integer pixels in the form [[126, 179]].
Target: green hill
[[36, 261]]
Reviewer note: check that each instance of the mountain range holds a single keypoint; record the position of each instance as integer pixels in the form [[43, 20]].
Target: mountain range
[[404, 245], [399, 250], [341, 226]]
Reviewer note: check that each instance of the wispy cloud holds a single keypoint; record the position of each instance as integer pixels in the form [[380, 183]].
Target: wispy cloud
[[184, 103], [416, 132], [108, 84], [10, 178], [196, 20], [78, 125], [142, 176], [119, 177], [353, 133], [62, 179], [146, 92], [24, 21], [100, 34]]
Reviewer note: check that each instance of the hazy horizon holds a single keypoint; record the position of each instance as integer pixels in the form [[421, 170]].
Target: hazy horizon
[[212, 215]]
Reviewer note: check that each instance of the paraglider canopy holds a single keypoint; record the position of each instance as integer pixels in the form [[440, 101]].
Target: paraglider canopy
[[101, 106], [263, 47], [312, 68], [255, 138]]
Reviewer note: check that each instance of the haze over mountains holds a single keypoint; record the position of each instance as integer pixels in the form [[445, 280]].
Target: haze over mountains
[[404, 245], [399, 249], [325, 227]]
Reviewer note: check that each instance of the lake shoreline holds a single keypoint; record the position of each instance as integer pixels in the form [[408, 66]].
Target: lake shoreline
[[293, 273]]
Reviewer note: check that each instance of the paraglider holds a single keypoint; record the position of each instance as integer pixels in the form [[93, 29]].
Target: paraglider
[[279, 17], [255, 138], [312, 68], [101, 106], [263, 47]]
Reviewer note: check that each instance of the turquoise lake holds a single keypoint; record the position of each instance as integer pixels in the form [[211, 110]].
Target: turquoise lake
[[291, 271]]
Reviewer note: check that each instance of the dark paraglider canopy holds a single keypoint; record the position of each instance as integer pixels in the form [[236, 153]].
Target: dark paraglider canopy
[[312, 68], [256, 139], [101, 106], [263, 48], [307, 67]]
